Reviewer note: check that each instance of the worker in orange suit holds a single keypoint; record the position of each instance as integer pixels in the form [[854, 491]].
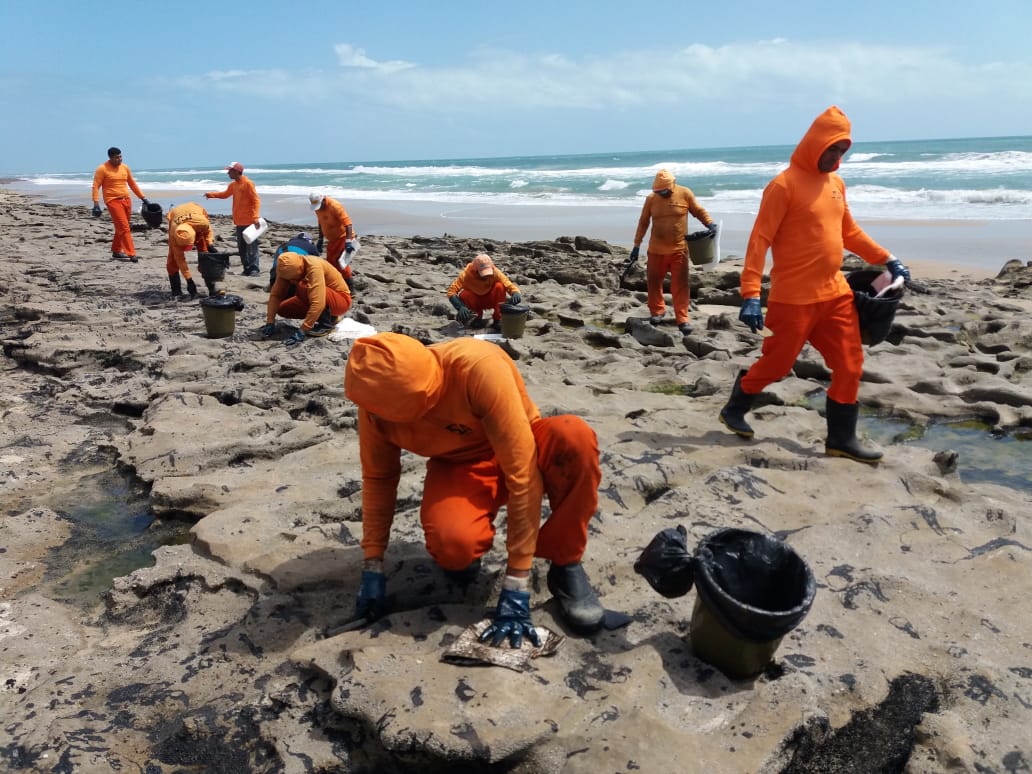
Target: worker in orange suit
[[463, 405], [335, 230], [188, 227], [667, 209], [116, 180], [307, 288], [481, 286], [805, 222], [246, 212]]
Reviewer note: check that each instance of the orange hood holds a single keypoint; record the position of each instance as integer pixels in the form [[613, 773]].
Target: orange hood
[[290, 266], [828, 128], [664, 179], [393, 376]]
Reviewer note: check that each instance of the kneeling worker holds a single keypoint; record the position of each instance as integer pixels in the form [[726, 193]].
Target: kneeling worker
[[463, 405], [481, 286], [188, 227], [317, 294]]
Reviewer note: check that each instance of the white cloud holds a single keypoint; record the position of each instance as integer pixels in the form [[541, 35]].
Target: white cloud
[[349, 56]]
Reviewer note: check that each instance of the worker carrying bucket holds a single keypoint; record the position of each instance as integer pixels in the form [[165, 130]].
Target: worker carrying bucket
[[751, 590]]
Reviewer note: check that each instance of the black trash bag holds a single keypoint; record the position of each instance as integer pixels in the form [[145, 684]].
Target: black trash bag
[[695, 236], [876, 314], [151, 212], [666, 564], [223, 302], [755, 585], [212, 266]]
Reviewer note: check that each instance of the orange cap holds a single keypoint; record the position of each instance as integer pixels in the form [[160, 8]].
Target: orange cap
[[483, 265]]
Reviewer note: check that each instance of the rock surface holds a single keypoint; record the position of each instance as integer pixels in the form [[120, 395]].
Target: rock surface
[[916, 655]]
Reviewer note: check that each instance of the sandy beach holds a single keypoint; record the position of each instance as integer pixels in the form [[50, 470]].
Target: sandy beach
[[223, 652], [934, 248]]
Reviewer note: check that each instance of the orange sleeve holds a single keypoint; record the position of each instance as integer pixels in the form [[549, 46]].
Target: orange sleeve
[[773, 206], [498, 402], [697, 210], [279, 290], [857, 241], [246, 203], [98, 178], [221, 194], [457, 285], [316, 291], [643, 220], [131, 181], [381, 471], [508, 284]]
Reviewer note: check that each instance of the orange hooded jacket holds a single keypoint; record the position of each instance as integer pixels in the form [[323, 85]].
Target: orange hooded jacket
[[246, 203], [333, 219], [470, 280], [805, 222], [292, 268], [669, 216], [458, 401], [187, 223], [116, 182]]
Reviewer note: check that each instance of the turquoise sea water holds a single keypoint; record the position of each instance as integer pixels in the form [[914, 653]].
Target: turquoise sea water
[[959, 179]]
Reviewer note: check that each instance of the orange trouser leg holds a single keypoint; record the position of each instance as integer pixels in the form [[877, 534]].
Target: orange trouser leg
[[460, 501], [488, 301], [832, 328], [176, 262], [837, 338], [680, 287], [656, 268], [296, 307], [568, 459], [120, 210]]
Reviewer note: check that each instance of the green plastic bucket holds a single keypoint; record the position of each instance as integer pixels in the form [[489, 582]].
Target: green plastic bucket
[[514, 320], [220, 315]]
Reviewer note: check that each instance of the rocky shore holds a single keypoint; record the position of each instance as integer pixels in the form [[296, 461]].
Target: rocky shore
[[916, 655]]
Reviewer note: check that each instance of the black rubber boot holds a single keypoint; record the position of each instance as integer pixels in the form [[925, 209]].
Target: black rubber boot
[[177, 285], [578, 602], [733, 413], [191, 288], [842, 440], [326, 323]]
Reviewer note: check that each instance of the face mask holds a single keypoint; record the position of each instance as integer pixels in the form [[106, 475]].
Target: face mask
[[665, 193]]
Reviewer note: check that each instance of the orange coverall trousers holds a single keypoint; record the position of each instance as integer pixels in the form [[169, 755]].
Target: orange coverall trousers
[[120, 211], [481, 303], [656, 269], [296, 307], [833, 329], [460, 501]]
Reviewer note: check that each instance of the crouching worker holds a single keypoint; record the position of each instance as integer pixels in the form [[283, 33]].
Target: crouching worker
[[307, 288], [188, 227], [463, 405], [481, 286]]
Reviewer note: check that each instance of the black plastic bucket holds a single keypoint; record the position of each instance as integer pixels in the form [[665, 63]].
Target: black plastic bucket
[[213, 266], [152, 215], [752, 590], [876, 313]]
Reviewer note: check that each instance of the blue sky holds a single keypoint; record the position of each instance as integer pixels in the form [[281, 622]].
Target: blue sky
[[178, 85]]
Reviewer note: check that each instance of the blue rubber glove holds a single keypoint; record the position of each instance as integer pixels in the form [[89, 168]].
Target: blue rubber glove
[[897, 268], [372, 595], [515, 298], [96, 210], [144, 201], [712, 228], [512, 620], [294, 338], [634, 253], [463, 312], [268, 329], [319, 246], [349, 247], [752, 314]]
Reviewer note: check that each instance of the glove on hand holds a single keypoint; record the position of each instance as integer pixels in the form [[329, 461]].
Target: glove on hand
[[96, 210], [268, 329], [751, 314], [349, 247], [897, 268], [295, 338], [515, 298], [372, 595], [512, 620], [465, 314], [319, 246], [634, 253], [712, 228], [144, 201]]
